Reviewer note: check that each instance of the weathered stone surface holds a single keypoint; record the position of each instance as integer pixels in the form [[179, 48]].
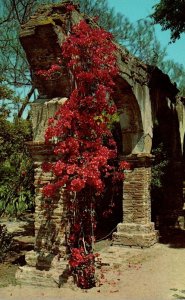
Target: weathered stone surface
[[41, 38], [53, 277], [137, 203], [135, 239], [18, 238], [135, 235], [138, 86], [31, 276], [24, 242], [31, 258], [15, 227], [180, 107], [41, 111], [49, 214], [137, 229], [145, 97], [134, 227]]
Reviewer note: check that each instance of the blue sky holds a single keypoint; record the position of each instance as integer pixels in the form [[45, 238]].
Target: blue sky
[[135, 10]]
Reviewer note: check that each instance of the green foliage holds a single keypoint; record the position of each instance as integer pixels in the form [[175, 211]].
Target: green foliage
[[139, 38], [16, 171], [144, 44], [159, 166], [170, 15], [13, 63], [5, 242], [176, 73], [116, 23], [5, 92]]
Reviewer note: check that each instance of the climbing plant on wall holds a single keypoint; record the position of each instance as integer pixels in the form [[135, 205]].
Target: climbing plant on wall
[[83, 143]]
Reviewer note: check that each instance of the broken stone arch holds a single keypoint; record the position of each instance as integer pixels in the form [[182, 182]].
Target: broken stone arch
[[136, 148], [45, 30], [140, 92]]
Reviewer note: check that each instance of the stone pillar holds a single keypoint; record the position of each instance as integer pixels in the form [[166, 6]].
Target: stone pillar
[[46, 264], [49, 213], [137, 229]]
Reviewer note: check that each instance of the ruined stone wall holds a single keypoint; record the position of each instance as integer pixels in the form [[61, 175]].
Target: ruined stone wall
[[143, 95], [41, 38], [167, 202], [137, 229], [47, 262], [50, 214], [180, 107]]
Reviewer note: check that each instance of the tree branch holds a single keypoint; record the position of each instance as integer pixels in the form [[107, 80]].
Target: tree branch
[[25, 103]]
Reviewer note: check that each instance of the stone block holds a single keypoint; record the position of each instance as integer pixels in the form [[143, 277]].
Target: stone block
[[56, 276], [135, 228], [31, 258], [40, 113], [135, 235], [31, 276], [139, 240]]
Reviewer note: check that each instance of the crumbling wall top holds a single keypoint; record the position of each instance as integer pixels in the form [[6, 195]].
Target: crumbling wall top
[[42, 36]]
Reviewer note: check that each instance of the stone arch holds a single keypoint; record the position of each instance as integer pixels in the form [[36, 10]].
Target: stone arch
[[134, 138], [128, 134], [133, 102]]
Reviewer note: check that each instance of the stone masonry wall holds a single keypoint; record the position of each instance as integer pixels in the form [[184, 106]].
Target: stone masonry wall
[[50, 214], [137, 229], [137, 209], [41, 38]]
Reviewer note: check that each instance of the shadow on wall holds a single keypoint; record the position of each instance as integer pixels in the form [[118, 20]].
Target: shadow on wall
[[109, 210], [130, 118], [167, 198]]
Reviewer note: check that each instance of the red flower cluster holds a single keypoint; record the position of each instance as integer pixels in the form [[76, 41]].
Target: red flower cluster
[[78, 257], [82, 265], [124, 165], [49, 190], [84, 145], [70, 7], [50, 73], [84, 142]]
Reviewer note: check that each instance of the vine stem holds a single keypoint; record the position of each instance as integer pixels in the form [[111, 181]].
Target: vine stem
[[84, 245], [93, 244]]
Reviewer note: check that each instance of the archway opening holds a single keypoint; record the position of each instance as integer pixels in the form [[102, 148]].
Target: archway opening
[[128, 133]]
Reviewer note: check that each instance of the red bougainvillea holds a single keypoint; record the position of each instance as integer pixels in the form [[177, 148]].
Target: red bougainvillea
[[83, 143]]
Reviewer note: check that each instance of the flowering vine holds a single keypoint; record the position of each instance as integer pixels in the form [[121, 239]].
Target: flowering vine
[[83, 143]]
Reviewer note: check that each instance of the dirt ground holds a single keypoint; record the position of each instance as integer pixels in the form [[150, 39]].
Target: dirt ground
[[127, 274]]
